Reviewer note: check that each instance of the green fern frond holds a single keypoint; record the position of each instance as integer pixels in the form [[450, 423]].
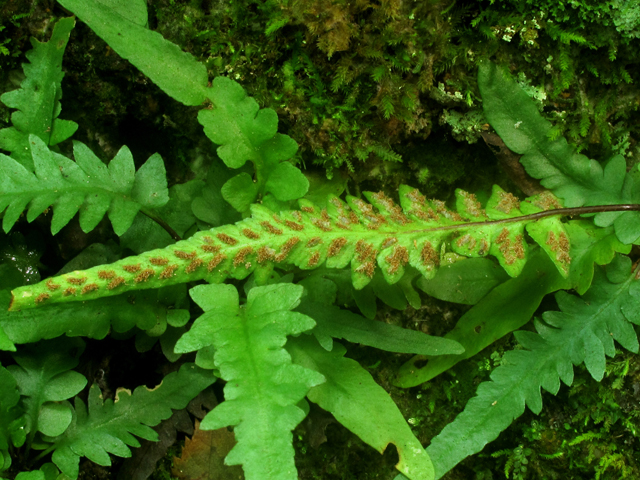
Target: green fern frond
[[585, 437], [275, 24], [234, 120], [583, 331], [150, 311], [108, 426], [566, 37], [360, 404], [263, 385], [244, 131], [12, 420], [501, 453], [573, 177], [340, 78], [38, 98], [356, 233], [46, 380], [371, 52], [625, 76], [585, 124], [87, 185]]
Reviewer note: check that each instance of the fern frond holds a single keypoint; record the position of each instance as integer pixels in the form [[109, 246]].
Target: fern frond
[[233, 120], [244, 131], [38, 98], [571, 176], [108, 427], [147, 310], [340, 78], [12, 432], [360, 404], [45, 378], [355, 233], [583, 331], [87, 185], [263, 385]]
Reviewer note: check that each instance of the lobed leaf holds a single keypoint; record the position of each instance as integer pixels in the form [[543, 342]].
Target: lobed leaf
[[361, 405], [108, 427], [582, 331], [263, 386], [146, 234], [591, 245], [11, 422], [511, 304], [235, 121], [210, 206], [355, 233], [45, 377], [38, 98], [86, 185], [247, 133], [573, 177]]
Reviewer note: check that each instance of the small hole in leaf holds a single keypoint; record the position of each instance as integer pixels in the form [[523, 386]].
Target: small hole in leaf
[[420, 363]]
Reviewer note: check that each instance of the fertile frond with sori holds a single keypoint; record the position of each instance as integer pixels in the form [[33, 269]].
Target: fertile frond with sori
[[147, 310], [356, 232], [583, 331], [87, 185], [263, 385]]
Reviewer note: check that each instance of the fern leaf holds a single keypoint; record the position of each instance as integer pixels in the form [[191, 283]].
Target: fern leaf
[[146, 310], [571, 176], [361, 405], [333, 322], [379, 72], [247, 133], [511, 304], [590, 245], [263, 386], [237, 123], [352, 233], [86, 185], [177, 73], [506, 308], [44, 378], [583, 331], [234, 120], [38, 98], [108, 427], [11, 423]]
